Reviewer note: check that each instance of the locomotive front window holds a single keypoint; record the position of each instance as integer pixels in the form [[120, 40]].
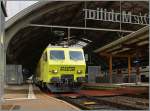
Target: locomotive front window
[[76, 55], [57, 55]]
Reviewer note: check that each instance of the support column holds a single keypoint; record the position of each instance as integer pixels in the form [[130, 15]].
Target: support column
[[2, 51], [110, 68], [129, 69], [119, 75], [138, 79]]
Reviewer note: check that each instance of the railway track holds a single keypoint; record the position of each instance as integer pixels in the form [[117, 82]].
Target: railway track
[[85, 102], [117, 102], [126, 102]]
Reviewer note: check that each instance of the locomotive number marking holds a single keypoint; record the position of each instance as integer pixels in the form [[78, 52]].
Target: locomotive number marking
[[67, 68]]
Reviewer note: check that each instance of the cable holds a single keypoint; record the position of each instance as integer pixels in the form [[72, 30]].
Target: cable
[[85, 7], [120, 16]]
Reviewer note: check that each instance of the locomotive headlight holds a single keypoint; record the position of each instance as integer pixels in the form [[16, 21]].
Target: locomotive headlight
[[54, 71], [79, 71]]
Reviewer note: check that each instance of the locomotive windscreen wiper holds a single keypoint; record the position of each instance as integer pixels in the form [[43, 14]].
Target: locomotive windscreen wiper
[[55, 58], [74, 58]]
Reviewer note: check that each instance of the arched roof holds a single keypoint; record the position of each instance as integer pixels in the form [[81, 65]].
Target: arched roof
[[25, 44]]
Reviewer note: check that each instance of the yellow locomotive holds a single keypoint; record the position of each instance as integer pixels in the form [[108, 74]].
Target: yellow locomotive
[[61, 69]]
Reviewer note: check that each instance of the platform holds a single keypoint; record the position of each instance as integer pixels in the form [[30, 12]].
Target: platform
[[23, 98], [113, 92], [16, 91], [117, 84], [30, 97], [108, 89]]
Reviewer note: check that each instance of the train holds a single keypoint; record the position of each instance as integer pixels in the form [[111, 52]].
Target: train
[[61, 69]]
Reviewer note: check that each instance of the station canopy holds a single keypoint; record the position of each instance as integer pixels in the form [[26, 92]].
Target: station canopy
[[30, 31]]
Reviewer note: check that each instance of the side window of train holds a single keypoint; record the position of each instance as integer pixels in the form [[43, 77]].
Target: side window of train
[[45, 56]]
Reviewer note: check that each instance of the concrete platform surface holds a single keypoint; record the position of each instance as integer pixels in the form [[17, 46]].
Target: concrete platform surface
[[30, 98], [116, 91], [35, 100], [16, 91], [117, 84]]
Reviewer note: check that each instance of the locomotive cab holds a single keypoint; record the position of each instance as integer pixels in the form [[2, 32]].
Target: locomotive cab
[[62, 69]]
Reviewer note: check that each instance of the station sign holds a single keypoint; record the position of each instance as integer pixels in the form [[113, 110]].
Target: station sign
[[112, 16]]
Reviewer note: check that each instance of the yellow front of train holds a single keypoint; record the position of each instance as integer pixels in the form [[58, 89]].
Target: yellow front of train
[[66, 69]]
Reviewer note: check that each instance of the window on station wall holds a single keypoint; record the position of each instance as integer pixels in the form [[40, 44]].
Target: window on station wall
[[14, 7]]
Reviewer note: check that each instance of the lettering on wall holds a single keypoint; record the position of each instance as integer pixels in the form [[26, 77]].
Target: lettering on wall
[[111, 16]]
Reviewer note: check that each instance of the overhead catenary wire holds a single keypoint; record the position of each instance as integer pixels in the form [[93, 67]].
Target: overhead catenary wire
[[78, 28]]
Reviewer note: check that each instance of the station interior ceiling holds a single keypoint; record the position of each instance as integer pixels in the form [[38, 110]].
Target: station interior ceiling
[[27, 45]]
